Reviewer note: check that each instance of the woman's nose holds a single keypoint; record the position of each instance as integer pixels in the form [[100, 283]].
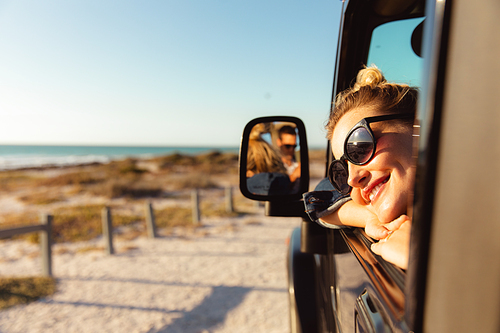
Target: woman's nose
[[358, 175]]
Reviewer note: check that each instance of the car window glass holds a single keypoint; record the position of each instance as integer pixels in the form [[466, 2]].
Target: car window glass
[[391, 51]]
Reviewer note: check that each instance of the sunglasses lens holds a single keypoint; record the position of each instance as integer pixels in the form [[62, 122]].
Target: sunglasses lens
[[338, 176], [360, 145]]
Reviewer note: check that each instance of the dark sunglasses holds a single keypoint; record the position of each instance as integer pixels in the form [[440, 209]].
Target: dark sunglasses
[[290, 146], [359, 148]]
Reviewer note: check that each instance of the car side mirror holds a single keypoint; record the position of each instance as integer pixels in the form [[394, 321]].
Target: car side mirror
[[274, 161]]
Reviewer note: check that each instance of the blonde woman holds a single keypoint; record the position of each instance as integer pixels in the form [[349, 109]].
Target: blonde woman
[[370, 131]]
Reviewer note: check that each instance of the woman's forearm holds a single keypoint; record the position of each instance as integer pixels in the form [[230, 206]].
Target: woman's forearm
[[350, 214], [353, 215]]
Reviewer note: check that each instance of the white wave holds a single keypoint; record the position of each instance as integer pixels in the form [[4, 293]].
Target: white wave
[[31, 161]]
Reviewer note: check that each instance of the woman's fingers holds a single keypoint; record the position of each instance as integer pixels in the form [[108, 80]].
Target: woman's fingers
[[376, 230], [395, 248], [396, 224]]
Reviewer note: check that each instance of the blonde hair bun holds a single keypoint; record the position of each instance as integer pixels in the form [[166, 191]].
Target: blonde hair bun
[[369, 76]]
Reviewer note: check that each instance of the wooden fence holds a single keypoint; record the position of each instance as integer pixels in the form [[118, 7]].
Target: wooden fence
[[107, 223], [45, 228]]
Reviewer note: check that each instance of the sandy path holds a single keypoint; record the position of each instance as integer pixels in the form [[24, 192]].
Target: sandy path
[[233, 279]]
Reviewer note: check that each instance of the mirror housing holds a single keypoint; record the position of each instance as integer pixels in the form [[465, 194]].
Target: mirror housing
[[269, 181]]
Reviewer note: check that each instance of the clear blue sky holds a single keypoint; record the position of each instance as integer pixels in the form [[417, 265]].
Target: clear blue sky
[[183, 72]]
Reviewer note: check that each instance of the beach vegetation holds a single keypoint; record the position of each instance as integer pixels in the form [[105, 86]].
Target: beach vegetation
[[170, 217], [23, 290], [83, 223], [14, 180], [190, 181], [122, 185], [123, 167], [41, 197], [70, 223], [71, 178], [125, 188], [211, 209], [90, 248], [208, 163]]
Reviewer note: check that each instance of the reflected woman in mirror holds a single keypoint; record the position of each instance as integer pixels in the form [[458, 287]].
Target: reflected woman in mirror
[[370, 130], [266, 173]]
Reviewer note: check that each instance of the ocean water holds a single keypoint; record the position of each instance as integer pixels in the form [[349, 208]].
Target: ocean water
[[24, 156]]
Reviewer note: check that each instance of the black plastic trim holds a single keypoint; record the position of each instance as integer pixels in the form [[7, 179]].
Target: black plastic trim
[[301, 287], [429, 115]]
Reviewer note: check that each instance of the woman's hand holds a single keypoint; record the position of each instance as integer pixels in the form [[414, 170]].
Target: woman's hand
[[378, 230], [396, 246]]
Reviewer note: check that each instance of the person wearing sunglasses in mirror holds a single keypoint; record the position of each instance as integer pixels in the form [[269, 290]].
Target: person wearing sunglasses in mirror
[[287, 143], [370, 130]]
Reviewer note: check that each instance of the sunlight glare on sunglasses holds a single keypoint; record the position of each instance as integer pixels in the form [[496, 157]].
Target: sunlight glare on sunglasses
[[359, 146]]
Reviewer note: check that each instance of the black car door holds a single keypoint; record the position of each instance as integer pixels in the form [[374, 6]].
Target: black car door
[[368, 293]]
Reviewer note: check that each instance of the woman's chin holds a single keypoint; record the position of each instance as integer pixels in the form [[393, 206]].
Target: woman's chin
[[388, 205], [388, 213]]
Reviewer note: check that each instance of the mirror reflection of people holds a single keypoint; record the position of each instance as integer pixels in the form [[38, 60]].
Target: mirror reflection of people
[[380, 173], [262, 157], [266, 173], [287, 143]]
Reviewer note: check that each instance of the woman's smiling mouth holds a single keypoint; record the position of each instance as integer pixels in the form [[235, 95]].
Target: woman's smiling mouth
[[374, 191]]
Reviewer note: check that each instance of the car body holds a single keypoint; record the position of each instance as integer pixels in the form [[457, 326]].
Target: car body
[[336, 283]]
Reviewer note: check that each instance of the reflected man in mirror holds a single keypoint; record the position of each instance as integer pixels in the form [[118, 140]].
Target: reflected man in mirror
[[287, 142]]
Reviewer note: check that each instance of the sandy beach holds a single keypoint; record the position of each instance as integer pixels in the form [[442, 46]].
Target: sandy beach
[[227, 274], [230, 279]]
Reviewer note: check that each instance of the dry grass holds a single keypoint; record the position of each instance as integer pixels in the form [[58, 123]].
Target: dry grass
[[90, 248], [210, 209], [126, 179], [14, 291], [170, 178], [41, 198], [71, 223], [19, 219], [14, 180], [209, 163], [83, 223], [173, 217], [253, 222], [73, 178], [117, 188], [175, 182]]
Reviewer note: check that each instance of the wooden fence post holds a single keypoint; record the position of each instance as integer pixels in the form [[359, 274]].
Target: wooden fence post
[[229, 200], [46, 244], [150, 221], [195, 199], [107, 230]]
